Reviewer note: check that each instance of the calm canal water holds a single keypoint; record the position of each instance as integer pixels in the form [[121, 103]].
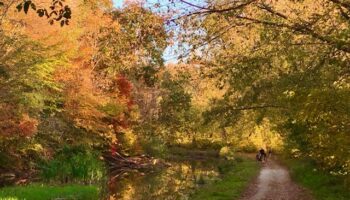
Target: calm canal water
[[176, 182]]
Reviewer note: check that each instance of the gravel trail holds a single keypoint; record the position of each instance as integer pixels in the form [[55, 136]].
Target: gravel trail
[[274, 183]]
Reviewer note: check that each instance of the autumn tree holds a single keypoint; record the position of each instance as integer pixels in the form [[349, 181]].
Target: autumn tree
[[286, 61], [63, 83]]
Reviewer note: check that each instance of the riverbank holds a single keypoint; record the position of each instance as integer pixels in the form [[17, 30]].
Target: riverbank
[[211, 178], [233, 181], [321, 184]]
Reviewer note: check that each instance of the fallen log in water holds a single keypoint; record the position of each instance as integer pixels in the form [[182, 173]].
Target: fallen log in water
[[119, 164]]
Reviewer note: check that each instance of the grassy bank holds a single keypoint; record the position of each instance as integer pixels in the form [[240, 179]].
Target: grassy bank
[[322, 185], [234, 179], [38, 192]]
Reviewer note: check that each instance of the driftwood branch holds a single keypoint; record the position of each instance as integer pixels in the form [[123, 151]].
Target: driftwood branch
[[119, 164]]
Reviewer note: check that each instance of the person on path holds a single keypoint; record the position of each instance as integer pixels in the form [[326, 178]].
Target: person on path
[[261, 156]]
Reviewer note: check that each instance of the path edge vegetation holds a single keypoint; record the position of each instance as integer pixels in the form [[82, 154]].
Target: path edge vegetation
[[320, 183], [43, 192]]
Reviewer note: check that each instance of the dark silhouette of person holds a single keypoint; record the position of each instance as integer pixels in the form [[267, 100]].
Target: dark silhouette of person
[[261, 155]]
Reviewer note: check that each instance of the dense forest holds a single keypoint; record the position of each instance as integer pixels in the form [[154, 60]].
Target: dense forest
[[83, 83]]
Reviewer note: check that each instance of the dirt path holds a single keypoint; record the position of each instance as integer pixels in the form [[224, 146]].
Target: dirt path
[[274, 183]]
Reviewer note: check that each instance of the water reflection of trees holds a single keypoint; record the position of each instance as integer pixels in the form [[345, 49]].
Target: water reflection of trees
[[175, 182]]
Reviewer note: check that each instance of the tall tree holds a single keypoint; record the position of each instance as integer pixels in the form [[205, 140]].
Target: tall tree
[[284, 60]]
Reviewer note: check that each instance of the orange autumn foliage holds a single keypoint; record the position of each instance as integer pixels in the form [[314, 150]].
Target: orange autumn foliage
[[28, 126]]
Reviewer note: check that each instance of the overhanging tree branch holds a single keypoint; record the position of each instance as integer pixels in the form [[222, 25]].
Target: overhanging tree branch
[[208, 10], [270, 10], [302, 29], [194, 5]]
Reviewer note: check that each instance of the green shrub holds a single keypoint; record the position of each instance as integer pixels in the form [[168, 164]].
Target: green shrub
[[73, 163], [239, 159], [4, 160], [227, 152], [155, 147], [207, 144]]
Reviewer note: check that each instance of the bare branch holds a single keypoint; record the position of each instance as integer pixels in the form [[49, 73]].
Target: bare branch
[[194, 5], [236, 7], [207, 10], [270, 10]]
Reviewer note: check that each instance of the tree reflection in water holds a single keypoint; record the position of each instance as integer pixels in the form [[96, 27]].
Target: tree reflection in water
[[175, 182]]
